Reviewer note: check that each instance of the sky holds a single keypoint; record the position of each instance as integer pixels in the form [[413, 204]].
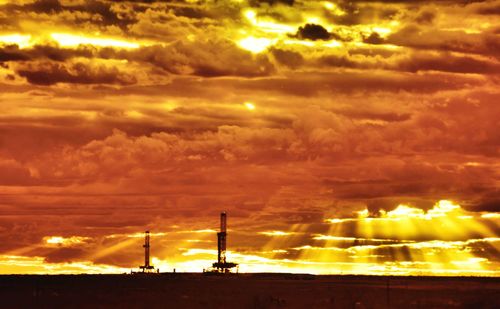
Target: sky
[[340, 137]]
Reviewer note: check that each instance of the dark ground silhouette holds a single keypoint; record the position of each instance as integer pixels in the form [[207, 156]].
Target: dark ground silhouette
[[183, 290]]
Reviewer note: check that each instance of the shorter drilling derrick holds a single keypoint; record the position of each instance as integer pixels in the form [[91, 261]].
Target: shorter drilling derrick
[[222, 266], [147, 267]]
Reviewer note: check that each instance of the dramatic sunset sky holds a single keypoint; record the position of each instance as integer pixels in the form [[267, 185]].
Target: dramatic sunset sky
[[339, 136]]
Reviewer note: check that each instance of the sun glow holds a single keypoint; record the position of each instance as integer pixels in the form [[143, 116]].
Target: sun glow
[[443, 240], [264, 31], [72, 40], [333, 8], [267, 25], [491, 215], [37, 265], [255, 45], [250, 106], [65, 241], [276, 233], [445, 219], [403, 241], [21, 40]]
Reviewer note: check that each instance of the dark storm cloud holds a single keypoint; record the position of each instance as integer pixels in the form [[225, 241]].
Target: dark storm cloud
[[492, 9], [12, 53], [181, 58], [271, 2], [313, 32], [374, 38], [490, 201], [56, 53], [65, 255], [101, 9], [44, 6], [49, 73]]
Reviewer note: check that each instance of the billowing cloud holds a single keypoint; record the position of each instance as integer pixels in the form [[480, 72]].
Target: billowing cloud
[[313, 32], [49, 73]]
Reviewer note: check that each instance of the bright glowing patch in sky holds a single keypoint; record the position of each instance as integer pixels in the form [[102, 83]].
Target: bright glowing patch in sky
[[268, 26], [313, 20], [333, 43], [250, 106], [250, 15], [136, 235], [64, 241], [276, 233], [255, 45], [10, 264], [72, 40], [445, 219], [54, 240], [22, 40], [491, 215], [382, 30], [333, 8]]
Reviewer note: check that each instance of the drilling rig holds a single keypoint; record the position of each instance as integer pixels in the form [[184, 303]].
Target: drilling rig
[[147, 267], [222, 266]]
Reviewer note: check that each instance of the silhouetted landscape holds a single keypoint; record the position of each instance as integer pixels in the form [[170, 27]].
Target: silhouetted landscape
[[190, 290]]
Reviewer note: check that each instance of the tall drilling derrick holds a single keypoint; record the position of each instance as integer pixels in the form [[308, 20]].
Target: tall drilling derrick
[[222, 266], [221, 240], [147, 267]]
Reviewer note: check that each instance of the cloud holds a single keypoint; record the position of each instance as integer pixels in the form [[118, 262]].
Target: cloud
[[14, 173], [487, 7], [12, 53], [313, 32], [425, 17], [207, 58], [101, 12], [445, 40], [374, 38], [49, 73], [288, 58], [272, 2], [182, 58], [51, 52], [447, 62]]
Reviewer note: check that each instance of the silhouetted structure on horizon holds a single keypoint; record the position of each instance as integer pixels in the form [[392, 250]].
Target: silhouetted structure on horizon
[[222, 266], [147, 267]]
